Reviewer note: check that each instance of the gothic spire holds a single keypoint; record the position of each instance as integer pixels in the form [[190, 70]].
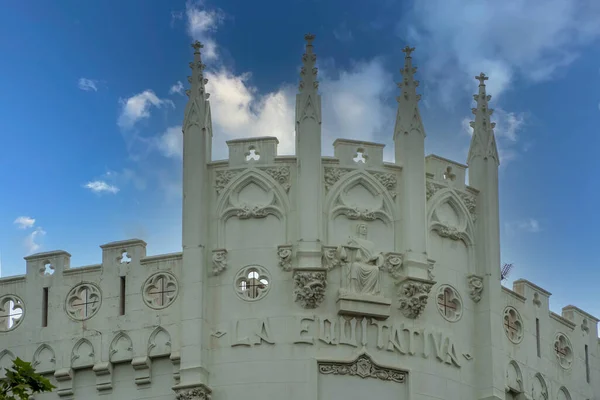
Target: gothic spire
[[408, 116], [483, 141], [197, 107], [308, 73]]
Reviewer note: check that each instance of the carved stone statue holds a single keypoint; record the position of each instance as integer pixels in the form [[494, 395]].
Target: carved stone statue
[[361, 292], [363, 264]]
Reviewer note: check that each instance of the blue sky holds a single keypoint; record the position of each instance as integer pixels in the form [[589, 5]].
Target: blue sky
[[92, 99]]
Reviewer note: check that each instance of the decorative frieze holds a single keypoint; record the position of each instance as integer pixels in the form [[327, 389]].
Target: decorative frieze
[[197, 393], [356, 213], [388, 180], [475, 284], [332, 175], [281, 176], [413, 295], [309, 287], [284, 254], [363, 367], [219, 261], [432, 188], [222, 178], [257, 211]]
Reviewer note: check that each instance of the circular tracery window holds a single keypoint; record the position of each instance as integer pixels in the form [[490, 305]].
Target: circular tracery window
[[252, 283], [160, 290], [563, 350], [513, 325], [83, 301], [12, 311], [449, 303]]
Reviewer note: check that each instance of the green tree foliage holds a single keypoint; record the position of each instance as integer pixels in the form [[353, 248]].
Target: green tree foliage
[[22, 381]]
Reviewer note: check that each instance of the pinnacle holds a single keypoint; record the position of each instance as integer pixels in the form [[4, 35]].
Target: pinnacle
[[197, 79], [308, 72]]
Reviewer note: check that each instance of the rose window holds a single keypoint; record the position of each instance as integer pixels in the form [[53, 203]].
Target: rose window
[[83, 301], [449, 303], [563, 350], [513, 325], [12, 310], [252, 283], [160, 290]]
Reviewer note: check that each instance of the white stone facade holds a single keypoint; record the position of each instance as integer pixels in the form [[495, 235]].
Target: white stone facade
[[308, 277]]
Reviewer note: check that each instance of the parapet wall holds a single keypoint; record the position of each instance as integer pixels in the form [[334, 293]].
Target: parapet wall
[[93, 318]]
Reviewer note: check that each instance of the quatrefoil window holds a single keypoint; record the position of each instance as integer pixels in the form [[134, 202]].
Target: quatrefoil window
[[12, 311], [252, 283], [563, 350], [160, 290], [513, 325], [449, 303], [83, 301]]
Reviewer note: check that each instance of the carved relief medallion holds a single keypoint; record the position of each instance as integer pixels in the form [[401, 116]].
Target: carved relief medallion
[[475, 284], [513, 325], [309, 287], [363, 367], [160, 290], [252, 283], [563, 350], [284, 253], [219, 260], [449, 303], [83, 301], [12, 312]]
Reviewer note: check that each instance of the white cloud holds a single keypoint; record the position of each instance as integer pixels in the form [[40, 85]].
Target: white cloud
[[177, 88], [529, 38], [138, 106], [201, 23], [343, 33], [354, 106], [101, 187], [24, 222], [170, 143], [32, 241], [87, 84], [529, 225]]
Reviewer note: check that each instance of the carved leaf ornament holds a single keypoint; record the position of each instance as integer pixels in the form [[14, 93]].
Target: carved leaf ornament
[[362, 367]]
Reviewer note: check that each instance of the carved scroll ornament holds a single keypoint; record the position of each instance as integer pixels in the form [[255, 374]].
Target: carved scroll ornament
[[363, 367], [309, 287], [413, 295], [222, 179]]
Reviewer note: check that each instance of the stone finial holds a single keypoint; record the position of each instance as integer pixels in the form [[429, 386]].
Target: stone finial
[[481, 78], [408, 50], [197, 46]]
